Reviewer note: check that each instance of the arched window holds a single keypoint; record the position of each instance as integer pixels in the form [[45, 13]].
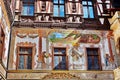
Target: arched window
[[88, 11], [58, 8]]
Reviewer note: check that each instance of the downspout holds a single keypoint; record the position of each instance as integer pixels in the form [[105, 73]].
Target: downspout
[[11, 25]]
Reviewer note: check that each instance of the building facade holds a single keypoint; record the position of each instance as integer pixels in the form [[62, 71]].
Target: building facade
[[61, 39], [5, 22]]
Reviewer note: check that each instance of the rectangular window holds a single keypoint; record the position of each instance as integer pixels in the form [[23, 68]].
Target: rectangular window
[[28, 7], [88, 11], [2, 37], [93, 59], [59, 59], [0, 12], [25, 58], [58, 8]]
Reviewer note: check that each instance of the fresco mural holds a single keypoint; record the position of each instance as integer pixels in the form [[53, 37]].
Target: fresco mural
[[65, 49]]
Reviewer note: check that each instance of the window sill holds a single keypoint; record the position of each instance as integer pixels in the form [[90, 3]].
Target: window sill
[[27, 15], [59, 17]]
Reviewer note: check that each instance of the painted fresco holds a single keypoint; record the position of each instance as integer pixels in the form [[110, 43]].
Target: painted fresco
[[5, 26], [64, 49]]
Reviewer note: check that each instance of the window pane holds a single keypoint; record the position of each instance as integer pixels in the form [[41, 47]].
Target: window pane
[[29, 62], [89, 3], [55, 1], [56, 51], [56, 62], [84, 2], [55, 11], [63, 62], [85, 12], [90, 66], [91, 14], [96, 64], [29, 50], [62, 11], [21, 62], [63, 51], [24, 10], [31, 10], [62, 1]]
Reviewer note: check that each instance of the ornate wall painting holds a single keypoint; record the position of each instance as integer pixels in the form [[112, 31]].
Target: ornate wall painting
[[74, 40], [73, 36]]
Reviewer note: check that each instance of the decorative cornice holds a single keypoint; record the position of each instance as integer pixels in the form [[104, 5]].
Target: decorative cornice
[[47, 25]]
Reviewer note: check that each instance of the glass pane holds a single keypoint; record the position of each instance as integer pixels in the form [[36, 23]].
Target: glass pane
[[84, 2], [21, 62], [61, 10], [22, 50], [56, 51], [91, 14], [31, 10], [24, 10], [63, 51], [56, 62], [85, 12], [89, 3], [25, 50], [55, 1], [63, 62], [29, 62], [95, 52], [61, 1], [90, 66], [29, 50], [96, 64], [55, 10]]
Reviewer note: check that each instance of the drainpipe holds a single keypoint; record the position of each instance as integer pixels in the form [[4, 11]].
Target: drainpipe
[[11, 25]]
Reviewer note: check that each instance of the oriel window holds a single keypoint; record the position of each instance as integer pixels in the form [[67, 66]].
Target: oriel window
[[88, 10], [58, 8], [28, 7]]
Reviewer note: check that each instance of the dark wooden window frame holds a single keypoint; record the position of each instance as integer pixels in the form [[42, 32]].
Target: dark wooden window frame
[[99, 57], [2, 39], [27, 3], [25, 45], [59, 4], [25, 54], [59, 55], [88, 9]]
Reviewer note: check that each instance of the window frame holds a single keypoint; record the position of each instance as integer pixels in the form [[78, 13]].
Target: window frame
[[88, 6], [65, 55], [28, 4], [98, 55], [2, 40], [59, 4], [28, 45], [19, 54]]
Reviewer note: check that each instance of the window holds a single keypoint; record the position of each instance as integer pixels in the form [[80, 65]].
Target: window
[[0, 12], [2, 37], [58, 8], [93, 59], [88, 11], [28, 7], [59, 59], [25, 58]]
